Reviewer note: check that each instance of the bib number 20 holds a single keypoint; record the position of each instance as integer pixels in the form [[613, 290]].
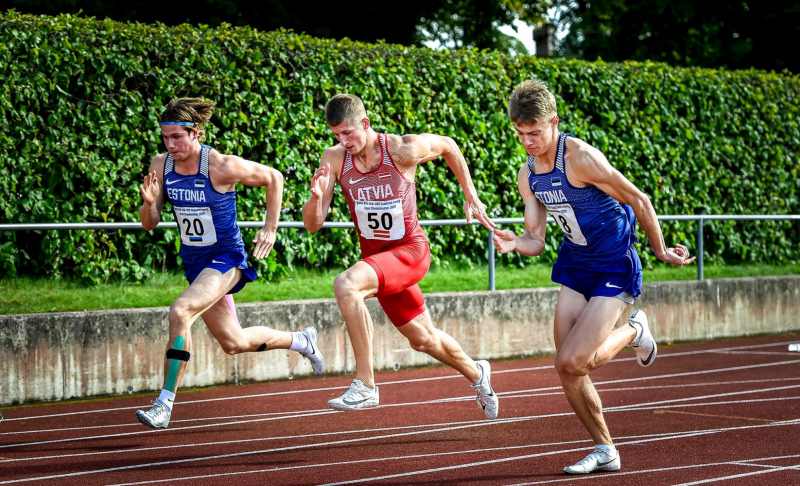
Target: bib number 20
[[196, 226]]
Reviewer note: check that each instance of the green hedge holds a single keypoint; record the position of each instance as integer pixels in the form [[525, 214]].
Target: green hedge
[[79, 125]]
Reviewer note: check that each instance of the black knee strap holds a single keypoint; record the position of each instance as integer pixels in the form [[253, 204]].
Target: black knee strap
[[178, 354]]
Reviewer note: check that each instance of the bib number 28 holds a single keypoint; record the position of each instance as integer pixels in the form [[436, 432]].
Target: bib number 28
[[565, 217]]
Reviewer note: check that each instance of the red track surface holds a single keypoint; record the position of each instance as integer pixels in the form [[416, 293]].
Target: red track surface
[[726, 412]]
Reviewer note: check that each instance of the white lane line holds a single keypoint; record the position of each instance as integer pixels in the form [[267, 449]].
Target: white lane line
[[442, 426], [517, 458], [159, 431], [264, 451], [656, 470], [637, 441], [661, 355], [424, 456], [532, 392], [349, 441], [287, 414], [717, 395], [744, 475], [404, 404]]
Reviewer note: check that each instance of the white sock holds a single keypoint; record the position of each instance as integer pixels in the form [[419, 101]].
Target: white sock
[[167, 398], [299, 342], [480, 380], [638, 335], [608, 449]]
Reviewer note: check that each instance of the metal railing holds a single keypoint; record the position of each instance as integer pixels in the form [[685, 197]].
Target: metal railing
[[700, 218]]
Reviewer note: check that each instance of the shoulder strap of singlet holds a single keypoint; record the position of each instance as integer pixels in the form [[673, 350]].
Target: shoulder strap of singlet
[[530, 166], [386, 159], [169, 164], [560, 151], [204, 151]]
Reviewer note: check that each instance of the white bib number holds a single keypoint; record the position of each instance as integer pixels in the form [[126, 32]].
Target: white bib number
[[381, 220], [565, 217], [196, 226]]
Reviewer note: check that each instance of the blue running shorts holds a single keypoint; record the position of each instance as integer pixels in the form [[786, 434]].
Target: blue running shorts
[[224, 261], [624, 275]]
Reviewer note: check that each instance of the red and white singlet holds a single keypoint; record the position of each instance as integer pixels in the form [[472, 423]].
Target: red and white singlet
[[383, 204]]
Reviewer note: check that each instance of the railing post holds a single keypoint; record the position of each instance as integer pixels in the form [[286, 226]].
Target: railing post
[[491, 261], [700, 248]]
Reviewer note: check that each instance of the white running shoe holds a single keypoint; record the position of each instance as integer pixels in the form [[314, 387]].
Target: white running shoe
[[357, 397], [598, 460], [157, 417], [312, 352], [645, 347], [487, 399]]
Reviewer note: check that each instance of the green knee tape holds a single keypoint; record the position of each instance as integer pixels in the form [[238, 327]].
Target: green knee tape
[[172, 376]]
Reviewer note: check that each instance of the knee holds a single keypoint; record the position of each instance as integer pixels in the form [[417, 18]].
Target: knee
[[179, 316], [570, 366], [423, 343], [345, 286], [231, 347]]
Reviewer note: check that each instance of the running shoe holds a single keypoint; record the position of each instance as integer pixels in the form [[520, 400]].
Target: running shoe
[[645, 347], [1, 416], [487, 399], [356, 398], [598, 460], [157, 417], [312, 352]]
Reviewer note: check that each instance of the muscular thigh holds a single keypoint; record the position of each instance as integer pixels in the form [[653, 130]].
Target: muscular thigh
[[582, 329], [401, 267], [207, 289], [221, 323]]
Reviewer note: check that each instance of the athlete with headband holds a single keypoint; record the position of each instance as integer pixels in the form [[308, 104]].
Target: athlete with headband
[[376, 173], [200, 184]]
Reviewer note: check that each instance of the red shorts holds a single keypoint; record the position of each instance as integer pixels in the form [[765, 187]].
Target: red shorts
[[399, 271]]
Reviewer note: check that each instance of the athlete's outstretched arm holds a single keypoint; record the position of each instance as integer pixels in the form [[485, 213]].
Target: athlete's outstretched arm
[[322, 184], [428, 146], [234, 170], [593, 168], [531, 243], [152, 190]]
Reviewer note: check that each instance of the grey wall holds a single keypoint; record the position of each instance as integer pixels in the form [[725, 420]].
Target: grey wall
[[65, 355]]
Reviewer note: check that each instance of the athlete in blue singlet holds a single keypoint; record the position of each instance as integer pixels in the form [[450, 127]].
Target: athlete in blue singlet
[[597, 264], [200, 184]]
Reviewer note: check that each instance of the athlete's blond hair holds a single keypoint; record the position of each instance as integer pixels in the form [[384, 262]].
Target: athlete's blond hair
[[195, 110], [344, 108], [531, 102]]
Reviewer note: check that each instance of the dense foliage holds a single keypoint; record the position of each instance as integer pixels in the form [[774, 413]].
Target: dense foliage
[[79, 125], [700, 33]]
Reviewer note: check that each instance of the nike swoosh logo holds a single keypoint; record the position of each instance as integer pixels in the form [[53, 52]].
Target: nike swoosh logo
[[608, 284], [168, 182], [348, 402], [649, 359], [604, 463], [356, 180], [214, 261]]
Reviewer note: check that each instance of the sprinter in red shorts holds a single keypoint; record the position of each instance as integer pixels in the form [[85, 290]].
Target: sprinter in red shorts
[[376, 173]]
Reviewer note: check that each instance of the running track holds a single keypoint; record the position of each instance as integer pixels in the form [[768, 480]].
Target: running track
[[725, 412]]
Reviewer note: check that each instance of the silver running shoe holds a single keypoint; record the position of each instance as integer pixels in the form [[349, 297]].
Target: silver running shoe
[[646, 347], [1, 416], [487, 399], [356, 398], [157, 417], [312, 352], [598, 460]]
